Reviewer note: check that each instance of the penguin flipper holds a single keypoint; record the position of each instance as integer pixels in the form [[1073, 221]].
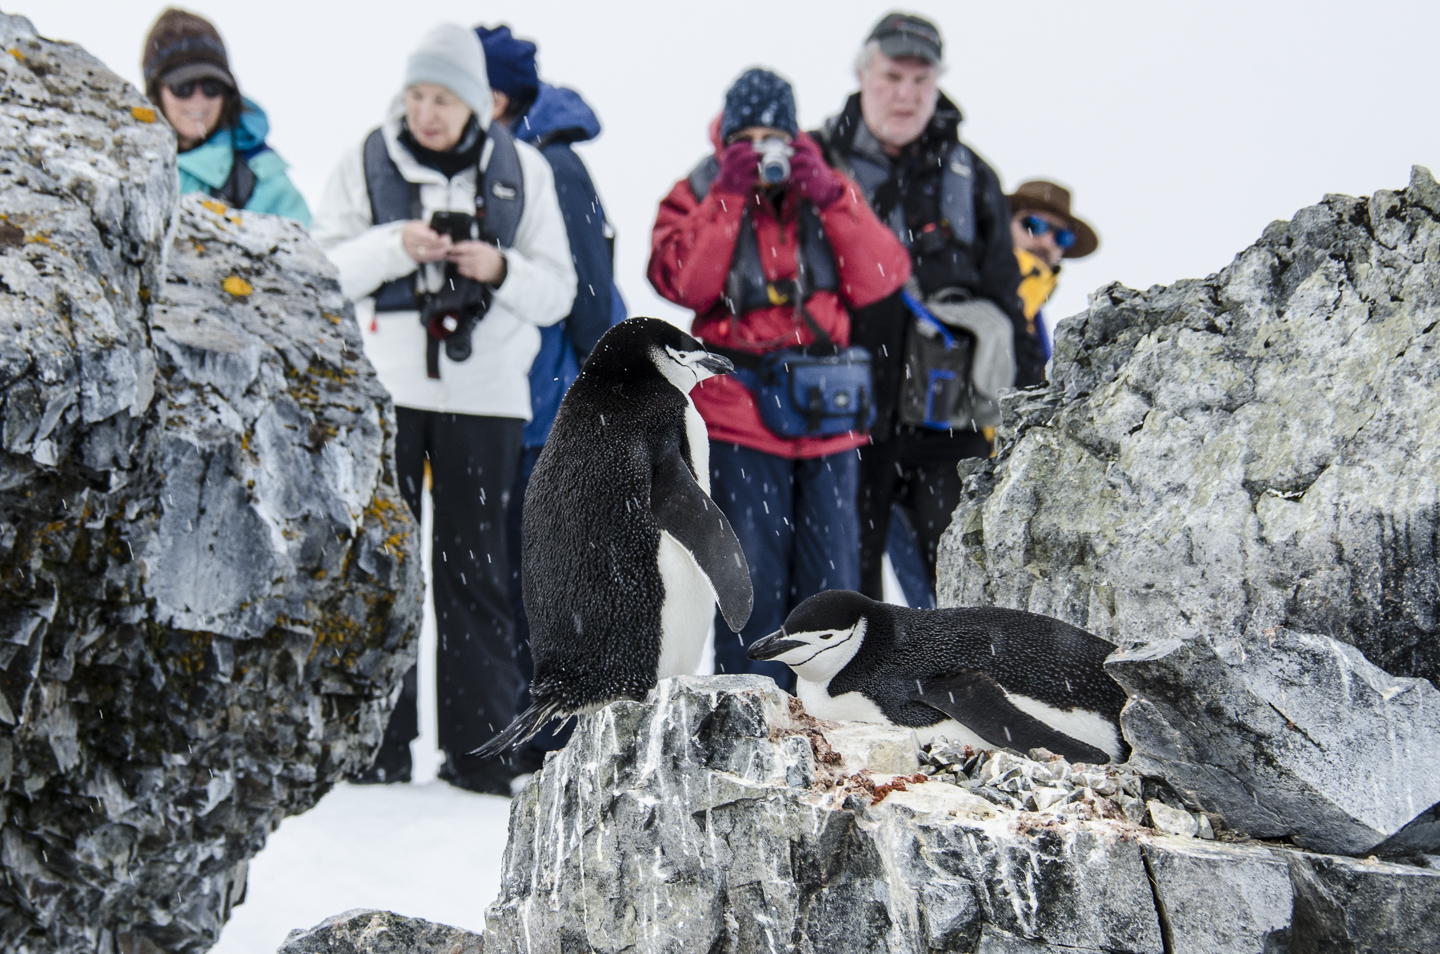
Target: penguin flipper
[[975, 699], [686, 512]]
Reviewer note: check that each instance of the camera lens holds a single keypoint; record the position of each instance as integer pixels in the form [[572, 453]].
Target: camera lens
[[457, 348], [774, 160], [775, 169]]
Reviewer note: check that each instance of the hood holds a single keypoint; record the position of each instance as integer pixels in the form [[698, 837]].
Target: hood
[[557, 108], [249, 133]]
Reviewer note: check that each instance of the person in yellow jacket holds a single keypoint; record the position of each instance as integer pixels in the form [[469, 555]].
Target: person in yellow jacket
[[1044, 232]]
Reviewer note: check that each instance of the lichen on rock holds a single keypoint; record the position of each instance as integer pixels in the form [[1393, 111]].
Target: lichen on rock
[[211, 583]]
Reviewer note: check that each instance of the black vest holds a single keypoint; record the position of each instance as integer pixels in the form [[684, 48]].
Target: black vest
[[957, 190], [239, 185], [746, 287], [499, 202]]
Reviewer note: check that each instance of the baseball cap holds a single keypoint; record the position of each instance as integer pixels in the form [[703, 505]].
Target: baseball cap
[[906, 35]]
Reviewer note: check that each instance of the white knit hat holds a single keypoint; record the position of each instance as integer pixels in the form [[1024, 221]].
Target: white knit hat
[[451, 56]]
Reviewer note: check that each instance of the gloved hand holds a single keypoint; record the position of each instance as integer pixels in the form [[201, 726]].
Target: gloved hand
[[809, 173], [739, 168]]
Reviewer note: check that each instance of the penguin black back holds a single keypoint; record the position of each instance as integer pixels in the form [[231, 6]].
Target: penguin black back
[[612, 425], [1029, 654], [1008, 677]]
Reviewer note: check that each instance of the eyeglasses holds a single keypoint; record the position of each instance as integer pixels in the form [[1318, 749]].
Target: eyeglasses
[[211, 88], [1064, 238]]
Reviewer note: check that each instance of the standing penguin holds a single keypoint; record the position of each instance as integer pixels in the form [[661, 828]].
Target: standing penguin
[[623, 553], [985, 676]]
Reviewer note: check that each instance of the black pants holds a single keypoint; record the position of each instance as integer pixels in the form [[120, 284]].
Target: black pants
[[473, 463], [921, 478]]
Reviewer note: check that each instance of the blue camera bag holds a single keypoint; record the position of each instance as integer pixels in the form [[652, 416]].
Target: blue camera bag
[[802, 393]]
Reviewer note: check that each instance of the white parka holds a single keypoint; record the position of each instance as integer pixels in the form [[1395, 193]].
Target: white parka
[[538, 290]]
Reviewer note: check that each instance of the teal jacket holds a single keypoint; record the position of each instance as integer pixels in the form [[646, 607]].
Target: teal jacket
[[208, 165]]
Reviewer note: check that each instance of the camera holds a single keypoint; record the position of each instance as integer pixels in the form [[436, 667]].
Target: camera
[[451, 314], [460, 226], [775, 156]]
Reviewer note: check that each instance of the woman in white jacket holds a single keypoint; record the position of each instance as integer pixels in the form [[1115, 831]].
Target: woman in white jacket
[[463, 412]]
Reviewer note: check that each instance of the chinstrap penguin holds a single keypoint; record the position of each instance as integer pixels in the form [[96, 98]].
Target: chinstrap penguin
[[985, 676], [623, 553]]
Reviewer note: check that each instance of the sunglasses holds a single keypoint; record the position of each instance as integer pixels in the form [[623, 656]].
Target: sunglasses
[[211, 88], [1064, 238]]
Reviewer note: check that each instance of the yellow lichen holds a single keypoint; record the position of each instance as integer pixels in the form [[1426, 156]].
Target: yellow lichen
[[143, 113], [17, 54], [237, 286], [219, 208]]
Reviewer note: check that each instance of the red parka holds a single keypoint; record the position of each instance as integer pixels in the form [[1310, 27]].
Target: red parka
[[690, 253]]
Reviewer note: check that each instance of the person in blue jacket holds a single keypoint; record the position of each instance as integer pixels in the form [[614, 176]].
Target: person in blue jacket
[[552, 119], [220, 134]]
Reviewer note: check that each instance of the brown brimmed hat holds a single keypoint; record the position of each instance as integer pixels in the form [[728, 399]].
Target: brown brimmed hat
[[1042, 196], [183, 47]]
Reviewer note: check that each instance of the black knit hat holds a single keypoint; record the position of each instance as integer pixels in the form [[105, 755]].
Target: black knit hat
[[183, 47], [758, 98]]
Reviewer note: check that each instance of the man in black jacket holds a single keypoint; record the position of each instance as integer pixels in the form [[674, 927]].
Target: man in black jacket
[[898, 137]]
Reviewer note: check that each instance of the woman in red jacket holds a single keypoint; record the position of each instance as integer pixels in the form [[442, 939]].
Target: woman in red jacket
[[764, 263]]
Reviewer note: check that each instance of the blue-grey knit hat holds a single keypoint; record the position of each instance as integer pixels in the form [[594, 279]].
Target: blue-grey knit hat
[[758, 98]]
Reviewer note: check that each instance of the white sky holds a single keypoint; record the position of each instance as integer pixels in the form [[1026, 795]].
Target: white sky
[[1182, 128]]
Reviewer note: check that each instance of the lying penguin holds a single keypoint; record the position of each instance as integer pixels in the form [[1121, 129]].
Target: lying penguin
[[985, 676], [623, 554]]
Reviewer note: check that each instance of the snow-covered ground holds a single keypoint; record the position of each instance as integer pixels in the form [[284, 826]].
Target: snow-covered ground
[[430, 851]]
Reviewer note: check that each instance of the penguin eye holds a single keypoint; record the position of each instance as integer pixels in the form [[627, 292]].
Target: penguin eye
[[826, 635]]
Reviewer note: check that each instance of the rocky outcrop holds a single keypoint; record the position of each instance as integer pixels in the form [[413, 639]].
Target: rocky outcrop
[[717, 816], [1289, 736], [380, 932], [1226, 455], [211, 585]]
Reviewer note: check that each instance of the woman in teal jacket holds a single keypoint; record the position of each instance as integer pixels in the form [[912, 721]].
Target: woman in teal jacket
[[221, 135]]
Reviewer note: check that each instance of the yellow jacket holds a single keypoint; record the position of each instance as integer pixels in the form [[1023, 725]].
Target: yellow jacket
[[1037, 284]]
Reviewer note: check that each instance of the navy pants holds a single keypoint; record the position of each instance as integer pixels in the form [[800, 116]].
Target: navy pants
[[797, 525]]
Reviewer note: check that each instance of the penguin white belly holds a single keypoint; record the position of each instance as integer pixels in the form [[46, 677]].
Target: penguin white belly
[[854, 707], [698, 436], [687, 611], [1081, 724], [1089, 727]]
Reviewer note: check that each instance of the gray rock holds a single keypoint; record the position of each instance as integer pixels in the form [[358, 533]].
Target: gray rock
[[1225, 455], [1363, 907], [381, 932], [1220, 899], [675, 825], [672, 825], [1172, 821], [1289, 735], [211, 584], [883, 749]]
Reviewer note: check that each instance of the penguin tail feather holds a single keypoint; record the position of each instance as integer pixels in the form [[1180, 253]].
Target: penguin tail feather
[[526, 724]]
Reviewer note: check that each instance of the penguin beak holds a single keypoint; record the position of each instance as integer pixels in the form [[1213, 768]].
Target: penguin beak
[[773, 645], [715, 364]]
